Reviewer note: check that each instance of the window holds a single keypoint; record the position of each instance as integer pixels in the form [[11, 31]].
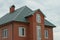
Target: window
[[5, 33], [22, 32], [46, 33], [38, 33], [38, 18]]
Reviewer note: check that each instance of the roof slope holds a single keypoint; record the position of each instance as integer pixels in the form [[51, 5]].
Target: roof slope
[[47, 23], [19, 15]]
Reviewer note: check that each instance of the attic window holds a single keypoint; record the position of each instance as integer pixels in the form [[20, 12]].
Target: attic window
[[38, 18]]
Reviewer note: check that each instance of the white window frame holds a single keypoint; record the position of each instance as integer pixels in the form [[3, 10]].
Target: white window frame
[[46, 34], [38, 31], [38, 18], [20, 31], [5, 33]]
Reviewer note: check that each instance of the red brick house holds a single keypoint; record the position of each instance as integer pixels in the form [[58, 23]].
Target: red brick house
[[25, 24]]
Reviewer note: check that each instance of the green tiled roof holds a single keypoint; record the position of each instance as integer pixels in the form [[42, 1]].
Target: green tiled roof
[[47, 23], [19, 15]]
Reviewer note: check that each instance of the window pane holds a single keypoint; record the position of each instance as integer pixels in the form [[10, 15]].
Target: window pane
[[22, 31], [6, 32]]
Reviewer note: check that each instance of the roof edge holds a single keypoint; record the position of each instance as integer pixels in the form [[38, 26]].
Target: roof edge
[[51, 26]]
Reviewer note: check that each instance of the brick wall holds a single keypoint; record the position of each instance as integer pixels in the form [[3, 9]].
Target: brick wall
[[9, 27], [50, 33]]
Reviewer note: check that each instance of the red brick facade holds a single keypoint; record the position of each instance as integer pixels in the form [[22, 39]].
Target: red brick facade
[[30, 29]]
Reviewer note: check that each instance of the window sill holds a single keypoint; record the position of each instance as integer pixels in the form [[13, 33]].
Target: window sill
[[22, 36], [46, 37], [4, 37]]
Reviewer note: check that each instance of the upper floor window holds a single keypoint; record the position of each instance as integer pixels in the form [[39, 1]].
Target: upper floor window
[[38, 32], [22, 31], [38, 19], [5, 33], [46, 33]]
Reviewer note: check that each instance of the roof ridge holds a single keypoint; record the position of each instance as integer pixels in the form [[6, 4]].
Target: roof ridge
[[40, 11]]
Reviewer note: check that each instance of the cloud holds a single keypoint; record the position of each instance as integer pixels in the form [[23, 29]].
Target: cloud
[[50, 3], [33, 4]]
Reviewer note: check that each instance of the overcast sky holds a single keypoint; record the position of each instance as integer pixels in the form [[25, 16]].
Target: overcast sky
[[51, 8]]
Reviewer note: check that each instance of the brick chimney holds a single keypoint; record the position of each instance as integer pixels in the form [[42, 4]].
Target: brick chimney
[[12, 8]]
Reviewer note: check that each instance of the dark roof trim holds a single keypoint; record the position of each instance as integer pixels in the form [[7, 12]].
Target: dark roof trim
[[49, 26]]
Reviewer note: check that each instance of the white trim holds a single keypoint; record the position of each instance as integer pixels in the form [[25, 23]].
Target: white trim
[[5, 37]]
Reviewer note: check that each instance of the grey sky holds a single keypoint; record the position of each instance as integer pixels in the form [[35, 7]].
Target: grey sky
[[51, 8]]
